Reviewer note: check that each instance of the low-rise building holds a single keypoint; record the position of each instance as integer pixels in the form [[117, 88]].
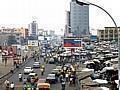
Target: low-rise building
[[23, 31], [108, 34]]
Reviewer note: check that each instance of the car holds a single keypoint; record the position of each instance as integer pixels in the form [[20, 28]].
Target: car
[[28, 70], [59, 67], [51, 78], [56, 72], [32, 77], [51, 61], [36, 65], [42, 54]]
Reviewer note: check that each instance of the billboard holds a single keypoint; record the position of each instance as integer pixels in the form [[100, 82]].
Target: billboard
[[93, 38], [72, 42], [9, 50]]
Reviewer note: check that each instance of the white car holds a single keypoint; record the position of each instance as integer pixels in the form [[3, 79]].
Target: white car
[[28, 70], [51, 78], [36, 65]]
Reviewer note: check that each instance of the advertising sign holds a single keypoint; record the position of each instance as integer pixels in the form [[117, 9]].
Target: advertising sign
[[72, 42], [9, 50], [93, 38]]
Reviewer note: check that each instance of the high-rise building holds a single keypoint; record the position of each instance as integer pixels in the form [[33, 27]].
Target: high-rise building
[[67, 24], [33, 28], [79, 18]]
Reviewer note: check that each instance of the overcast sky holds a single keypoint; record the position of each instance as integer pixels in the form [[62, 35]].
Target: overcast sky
[[50, 14]]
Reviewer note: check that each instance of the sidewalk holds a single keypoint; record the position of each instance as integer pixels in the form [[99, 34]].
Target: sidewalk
[[5, 69]]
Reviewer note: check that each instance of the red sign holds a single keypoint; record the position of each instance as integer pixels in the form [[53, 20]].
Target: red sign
[[9, 50]]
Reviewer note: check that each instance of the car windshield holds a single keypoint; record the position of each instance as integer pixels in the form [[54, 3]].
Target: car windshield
[[51, 75], [27, 67], [36, 63], [58, 67]]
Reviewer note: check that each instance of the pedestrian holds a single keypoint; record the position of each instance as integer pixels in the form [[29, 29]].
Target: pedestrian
[[14, 63], [24, 80], [63, 84], [42, 71], [61, 77], [7, 84], [12, 86], [66, 76], [74, 78], [12, 70], [24, 86], [5, 61], [20, 77], [23, 59], [26, 57], [71, 80]]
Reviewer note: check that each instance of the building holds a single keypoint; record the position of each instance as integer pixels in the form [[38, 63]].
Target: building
[[67, 24], [9, 38], [108, 34], [40, 32], [33, 28], [45, 33], [79, 18], [51, 33], [23, 31], [32, 41]]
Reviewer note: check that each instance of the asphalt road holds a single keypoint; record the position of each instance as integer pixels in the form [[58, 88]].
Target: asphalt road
[[48, 68]]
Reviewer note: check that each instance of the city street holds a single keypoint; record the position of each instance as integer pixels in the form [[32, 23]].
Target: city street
[[48, 68]]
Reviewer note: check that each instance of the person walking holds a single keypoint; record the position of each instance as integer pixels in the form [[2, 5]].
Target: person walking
[[23, 59], [42, 71], [12, 70], [20, 77], [12, 86], [7, 84], [63, 84], [5, 61], [67, 77]]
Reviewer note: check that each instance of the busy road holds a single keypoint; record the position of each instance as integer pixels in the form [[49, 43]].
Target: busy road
[[48, 68]]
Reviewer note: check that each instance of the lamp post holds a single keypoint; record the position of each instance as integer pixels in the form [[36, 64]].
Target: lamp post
[[116, 28]]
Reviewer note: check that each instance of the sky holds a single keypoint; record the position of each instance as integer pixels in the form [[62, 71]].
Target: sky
[[50, 14]]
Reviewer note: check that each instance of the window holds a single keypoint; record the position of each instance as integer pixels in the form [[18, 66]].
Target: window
[[102, 36], [106, 35], [111, 31]]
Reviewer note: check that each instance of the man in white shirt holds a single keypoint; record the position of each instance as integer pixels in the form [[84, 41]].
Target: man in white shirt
[[12, 86], [20, 76]]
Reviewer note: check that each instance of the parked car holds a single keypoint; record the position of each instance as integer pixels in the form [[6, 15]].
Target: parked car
[[51, 78], [32, 77], [36, 65], [28, 70]]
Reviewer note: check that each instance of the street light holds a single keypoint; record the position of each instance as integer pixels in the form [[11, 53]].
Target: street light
[[116, 28]]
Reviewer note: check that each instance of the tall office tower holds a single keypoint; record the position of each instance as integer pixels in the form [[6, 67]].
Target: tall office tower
[[67, 24], [79, 16], [33, 28]]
